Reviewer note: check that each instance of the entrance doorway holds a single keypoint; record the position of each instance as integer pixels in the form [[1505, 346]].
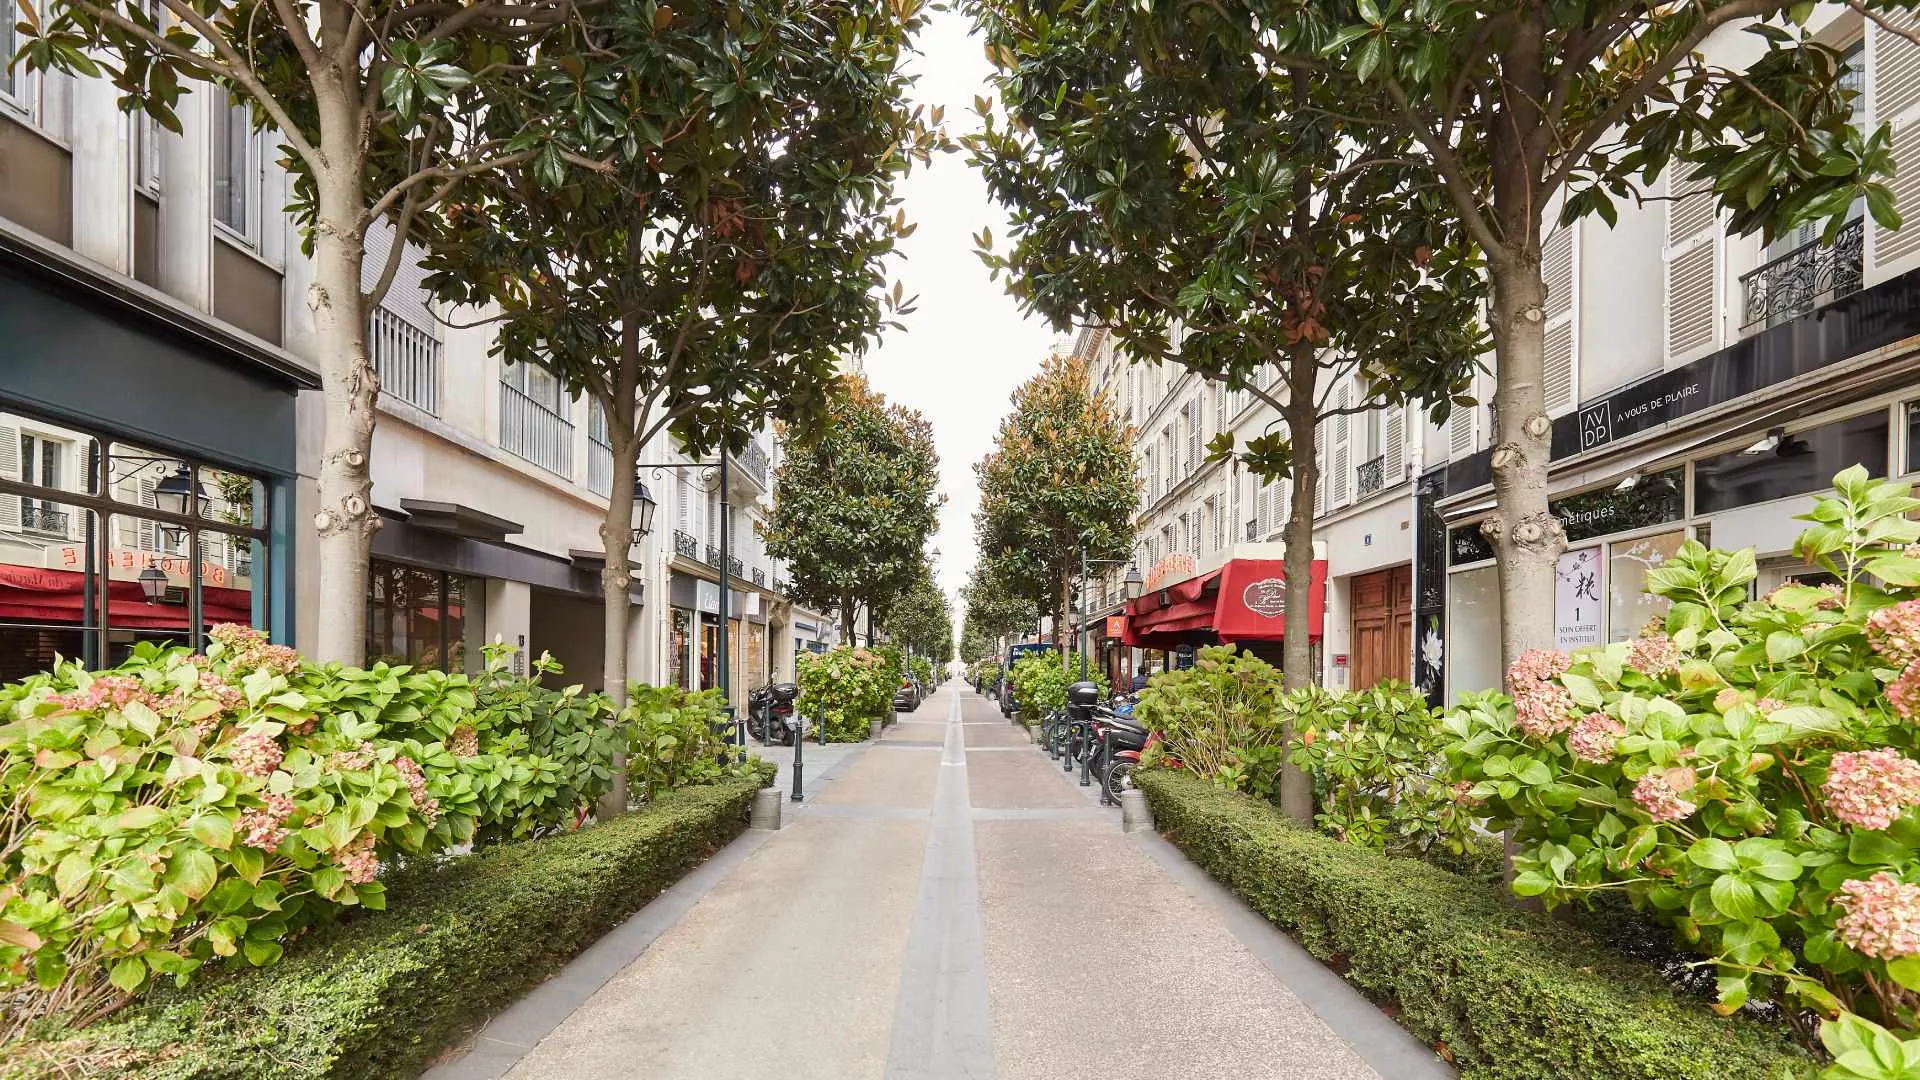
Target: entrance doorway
[[1382, 626]]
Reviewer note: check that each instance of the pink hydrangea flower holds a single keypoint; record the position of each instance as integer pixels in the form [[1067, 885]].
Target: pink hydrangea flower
[[247, 649], [416, 782], [1538, 665], [1660, 796], [353, 760], [1542, 709], [1653, 656], [1463, 793], [1903, 693], [464, 742], [357, 860], [1593, 738], [1894, 632], [1880, 917], [255, 754], [1868, 789], [115, 691], [265, 828], [1767, 705]]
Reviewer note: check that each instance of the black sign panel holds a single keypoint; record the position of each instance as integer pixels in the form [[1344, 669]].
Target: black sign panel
[[1653, 500], [1852, 325], [1430, 586]]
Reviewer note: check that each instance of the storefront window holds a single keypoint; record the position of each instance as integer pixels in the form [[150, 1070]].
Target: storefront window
[[1629, 606], [101, 553], [1473, 632], [418, 617], [709, 649], [681, 661], [1801, 463]]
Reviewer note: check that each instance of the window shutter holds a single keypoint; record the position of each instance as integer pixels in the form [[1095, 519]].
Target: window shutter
[[1263, 512], [1896, 101], [9, 468], [407, 296], [1460, 428], [1341, 465], [1559, 258], [1282, 507], [1394, 450], [148, 540], [1693, 268], [1320, 460]]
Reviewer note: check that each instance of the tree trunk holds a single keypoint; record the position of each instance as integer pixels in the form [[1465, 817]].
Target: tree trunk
[[1527, 539], [846, 620], [346, 520], [1296, 673], [615, 579]]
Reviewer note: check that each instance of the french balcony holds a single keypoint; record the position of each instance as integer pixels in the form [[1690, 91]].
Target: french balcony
[[713, 556], [1369, 478], [530, 430], [406, 358], [1805, 278], [686, 544], [1253, 531], [736, 568], [759, 577], [44, 520]]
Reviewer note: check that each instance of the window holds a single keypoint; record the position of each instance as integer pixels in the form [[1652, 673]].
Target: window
[[420, 618], [236, 168], [533, 418], [1798, 464], [12, 79], [599, 452], [1630, 606], [41, 463], [1473, 631]]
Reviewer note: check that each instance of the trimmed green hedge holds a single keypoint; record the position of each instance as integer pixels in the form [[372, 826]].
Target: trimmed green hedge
[[377, 996], [1513, 995]]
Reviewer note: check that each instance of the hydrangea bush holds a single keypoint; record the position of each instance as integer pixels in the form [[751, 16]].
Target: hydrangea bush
[[1747, 771], [1220, 719], [675, 738], [1379, 772], [847, 687]]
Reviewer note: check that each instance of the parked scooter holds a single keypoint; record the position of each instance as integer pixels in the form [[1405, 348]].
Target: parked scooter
[[1119, 741], [770, 713]]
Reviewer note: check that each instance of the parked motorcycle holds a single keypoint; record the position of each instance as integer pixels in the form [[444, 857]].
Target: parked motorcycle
[[770, 713], [1119, 743]]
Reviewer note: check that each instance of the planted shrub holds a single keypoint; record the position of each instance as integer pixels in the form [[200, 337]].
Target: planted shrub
[[849, 687], [672, 740], [1040, 683], [1219, 719], [375, 997], [1379, 771], [1748, 771]]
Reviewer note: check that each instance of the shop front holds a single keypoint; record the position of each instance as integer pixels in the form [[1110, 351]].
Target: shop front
[[1242, 602], [1729, 450], [147, 468]]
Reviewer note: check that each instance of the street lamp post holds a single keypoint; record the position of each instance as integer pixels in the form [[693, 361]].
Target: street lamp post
[[1134, 584]]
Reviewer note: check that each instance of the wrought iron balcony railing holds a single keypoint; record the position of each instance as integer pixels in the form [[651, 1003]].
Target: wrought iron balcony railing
[[1253, 531], [41, 518], [713, 556], [782, 586], [1805, 278], [759, 577], [735, 567], [685, 543], [1370, 477], [754, 461]]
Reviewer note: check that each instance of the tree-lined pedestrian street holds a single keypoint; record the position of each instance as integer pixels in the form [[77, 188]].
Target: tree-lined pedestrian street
[[960, 908]]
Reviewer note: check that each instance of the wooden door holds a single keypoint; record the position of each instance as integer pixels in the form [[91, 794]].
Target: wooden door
[[1382, 626]]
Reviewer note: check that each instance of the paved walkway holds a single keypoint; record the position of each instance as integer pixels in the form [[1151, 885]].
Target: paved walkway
[[946, 904]]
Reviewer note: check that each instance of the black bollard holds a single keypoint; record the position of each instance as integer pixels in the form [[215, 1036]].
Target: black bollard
[[1086, 757], [799, 742]]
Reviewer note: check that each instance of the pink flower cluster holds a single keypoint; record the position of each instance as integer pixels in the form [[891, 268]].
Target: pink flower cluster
[[1538, 665], [247, 649], [1903, 693], [255, 754], [1894, 632], [1653, 655], [117, 691], [416, 782], [1592, 739], [1868, 789], [1541, 706], [266, 828], [1880, 917], [1659, 795], [212, 687], [353, 760], [1463, 793], [464, 742], [357, 860]]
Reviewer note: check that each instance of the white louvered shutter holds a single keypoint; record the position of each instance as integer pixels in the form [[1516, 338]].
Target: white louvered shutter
[[1693, 268], [9, 468], [1559, 266], [1394, 438], [1320, 461], [1341, 465], [1461, 421], [149, 541], [1896, 101], [1282, 507]]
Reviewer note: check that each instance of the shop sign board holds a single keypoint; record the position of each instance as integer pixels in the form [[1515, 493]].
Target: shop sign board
[[1576, 600]]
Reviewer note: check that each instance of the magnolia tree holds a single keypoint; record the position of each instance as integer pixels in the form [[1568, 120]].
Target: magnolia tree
[[1222, 214], [920, 620], [382, 109], [853, 507], [1057, 487], [1518, 111], [715, 275]]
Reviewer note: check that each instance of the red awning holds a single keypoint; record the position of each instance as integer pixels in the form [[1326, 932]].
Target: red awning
[[1245, 600], [32, 594]]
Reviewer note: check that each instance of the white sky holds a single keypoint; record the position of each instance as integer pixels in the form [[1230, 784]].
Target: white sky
[[968, 345]]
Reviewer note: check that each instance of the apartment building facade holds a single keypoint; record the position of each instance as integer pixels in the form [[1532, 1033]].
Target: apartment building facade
[[1702, 385], [160, 425]]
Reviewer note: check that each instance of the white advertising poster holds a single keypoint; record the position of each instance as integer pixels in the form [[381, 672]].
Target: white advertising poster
[[1577, 600]]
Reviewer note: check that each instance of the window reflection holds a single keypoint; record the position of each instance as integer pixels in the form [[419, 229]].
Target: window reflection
[[1630, 606], [421, 618]]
